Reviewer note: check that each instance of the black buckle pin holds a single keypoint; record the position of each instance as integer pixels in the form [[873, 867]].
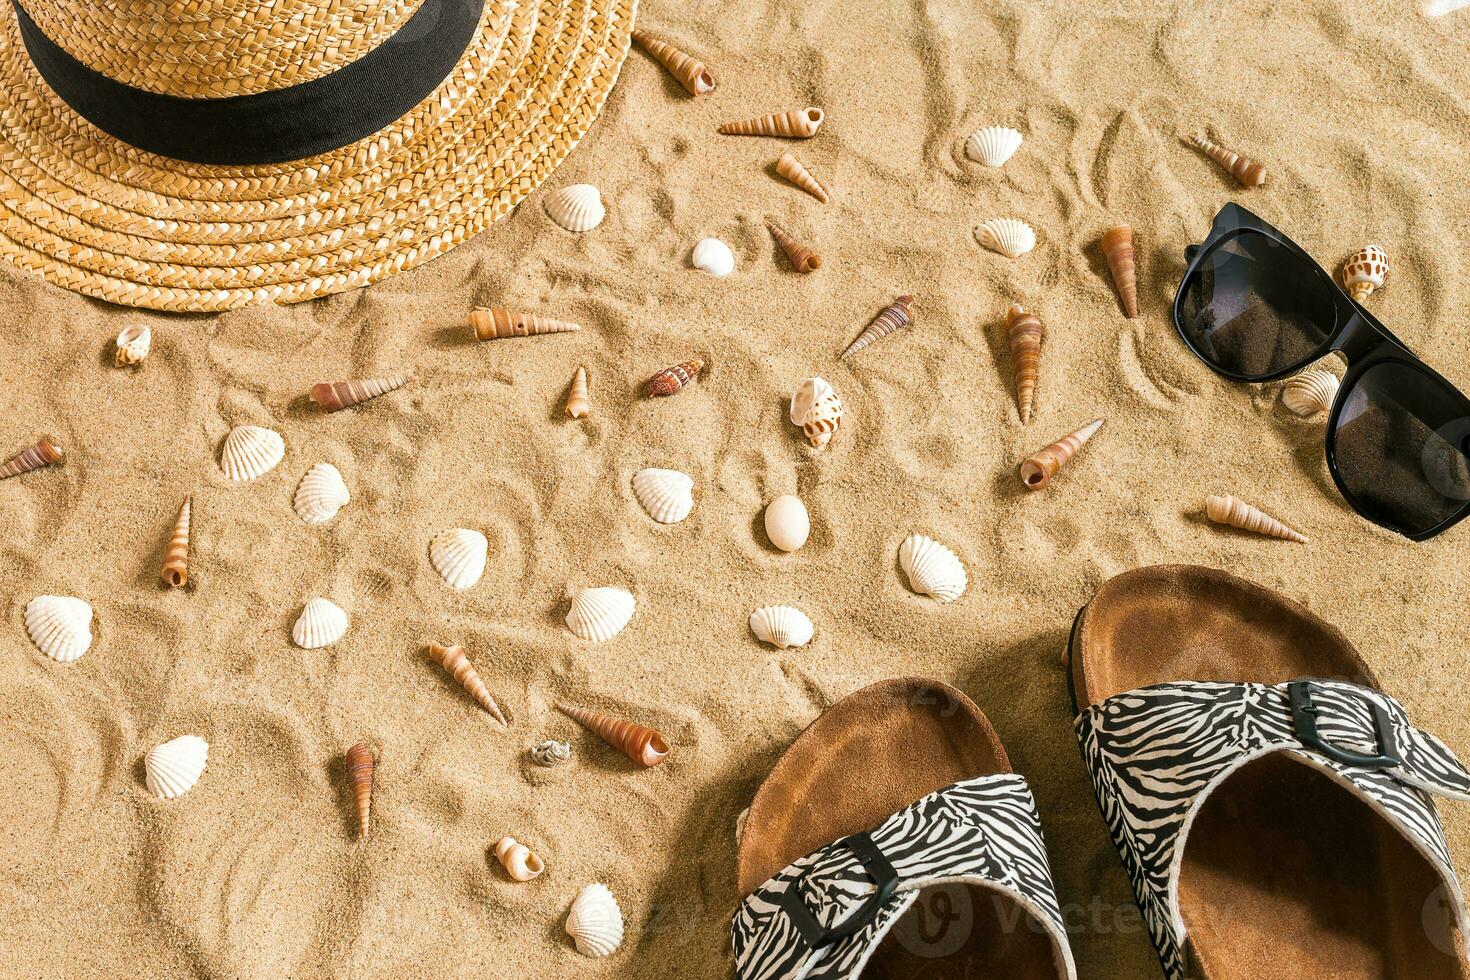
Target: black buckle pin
[[1304, 722], [878, 868]]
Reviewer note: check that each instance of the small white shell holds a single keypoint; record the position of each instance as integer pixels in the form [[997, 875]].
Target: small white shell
[[817, 409], [519, 861], [993, 145], [600, 614], [321, 493], [713, 256], [932, 568], [60, 626], [781, 626], [740, 819], [1310, 392], [458, 555], [595, 922], [577, 207], [551, 752], [320, 624], [133, 344], [1010, 237], [787, 522], [172, 769], [667, 495], [250, 451], [1438, 8]]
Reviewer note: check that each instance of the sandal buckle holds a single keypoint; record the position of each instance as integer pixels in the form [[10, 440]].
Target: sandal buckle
[[1304, 722], [879, 869]]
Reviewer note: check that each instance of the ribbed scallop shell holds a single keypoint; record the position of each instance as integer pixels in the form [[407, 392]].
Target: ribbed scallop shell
[[320, 624], [321, 494], [577, 207], [458, 555], [133, 344], [600, 614], [667, 495], [713, 256], [781, 626], [595, 922], [932, 568], [1010, 237], [60, 626], [172, 769], [993, 145], [250, 451], [1310, 392]]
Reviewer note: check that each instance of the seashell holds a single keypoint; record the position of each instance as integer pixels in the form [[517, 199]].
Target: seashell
[[894, 316], [360, 766], [667, 495], [1365, 270], [641, 744], [551, 752], [43, 453], [740, 820], [787, 523], [1038, 469], [816, 408], [1238, 513], [458, 555], [797, 124], [600, 614], [1310, 392], [1245, 170], [453, 660], [579, 402], [713, 256], [595, 922], [60, 626], [993, 145], [933, 569], [1117, 246], [493, 323], [170, 770], [576, 207], [320, 624], [519, 861], [1438, 8], [671, 379], [1010, 237], [321, 493], [691, 74], [802, 258], [781, 626], [176, 555], [250, 451], [133, 344], [793, 170], [337, 395], [1026, 333]]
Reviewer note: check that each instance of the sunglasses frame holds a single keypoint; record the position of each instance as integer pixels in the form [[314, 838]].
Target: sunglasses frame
[[1356, 335]]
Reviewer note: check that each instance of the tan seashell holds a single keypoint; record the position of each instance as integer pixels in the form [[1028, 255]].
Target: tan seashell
[[671, 379], [1117, 246], [1245, 170], [492, 323], [1026, 333], [802, 258], [360, 765], [551, 752], [691, 74], [1237, 513], [641, 744], [817, 409], [1310, 392], [250, 451], [453, 660], [170, 770], [1365, 270], [337, 395], [519, 861], [793, 170], [797, 124], [579, 402], [133, 344], [1038, 469], [895, 316], [576, 207], [43, 453], [595, 922], [1010, 237], [176, 555]]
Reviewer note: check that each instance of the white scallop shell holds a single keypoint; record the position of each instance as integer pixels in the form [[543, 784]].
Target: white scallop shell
[[713, 256], [60, 626], [667, 495], [458, 555], [595, 922], [320, 624], [1010, 237], [321, 494], [577, 207], [787, 522], [813, 403], [250, 451], [781, 626], [600, 614], [1438, 8], [932, 568], [133, 344], [993, 145], [1310, 392], [172, 769]]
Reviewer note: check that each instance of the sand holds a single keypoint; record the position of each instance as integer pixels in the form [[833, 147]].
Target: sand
[[1361, 115]]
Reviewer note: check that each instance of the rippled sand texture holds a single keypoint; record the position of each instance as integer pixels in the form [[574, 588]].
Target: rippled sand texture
[[1362, 118]]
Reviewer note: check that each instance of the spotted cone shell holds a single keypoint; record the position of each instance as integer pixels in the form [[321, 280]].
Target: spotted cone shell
[[817, 409], [932, 568], [1366, 270], [171, 769], [595, 922], [638, 742], [250, 451], [60, 626], [600, 614]]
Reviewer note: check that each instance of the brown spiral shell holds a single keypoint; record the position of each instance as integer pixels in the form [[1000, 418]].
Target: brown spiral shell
[[43, 453], [491, 323], [360, 767], [1246, 171], [795, 124], [802, 258], [1117, 246], [793, 170], [641, 744], [671, 379], [1040, 467], [458, 666], [894, 317], [176, 555], [337, 395], [1026, 333], [691, 74]]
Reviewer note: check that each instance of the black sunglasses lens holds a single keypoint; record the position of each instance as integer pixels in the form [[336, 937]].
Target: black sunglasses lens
[[1255, 308], [1402, 446]]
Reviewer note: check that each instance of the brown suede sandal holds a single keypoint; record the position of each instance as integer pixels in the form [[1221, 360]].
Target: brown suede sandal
[[892, 841], [1272, 826]]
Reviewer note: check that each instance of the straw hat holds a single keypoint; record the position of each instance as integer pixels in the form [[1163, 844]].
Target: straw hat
[[206, 154]]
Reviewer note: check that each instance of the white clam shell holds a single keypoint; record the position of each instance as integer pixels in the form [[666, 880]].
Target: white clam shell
[[321, 493], [133, 344], [1010, 237], [667, 495], [993, 145], [250, 451], [172, 769], [1439, 8], [595, 922], [60, 626], [817, 409], [577, 207], [321, 623], [781, 626], [1310, 392], [932, 568], [713, 256], [787, 523], [600, 614], [458, 555]]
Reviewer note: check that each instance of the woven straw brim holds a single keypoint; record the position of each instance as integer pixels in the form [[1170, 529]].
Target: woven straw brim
[[95, 215]]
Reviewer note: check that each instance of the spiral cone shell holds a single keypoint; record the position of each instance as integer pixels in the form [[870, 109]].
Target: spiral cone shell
[[894, 317], [1237, 513], [1310, 392], [321, 493], [797, 124], [1026, 333], [1117, 246], [932, 568], [1010, 237], [321, 623], [802, 258], [458, 555], [595, 922], [576, 207], [337, 395], [793, 170], [817, 409], [671, 379], [641, 744], [171, 769], [1038, 469], [1365, 270], [458, 666], [600, 614], [360, 765], [1246, 171], [43, 453], [781, 626], [495, 324], [579, 402], [176, 555], [133, 344], [60, 626], [519, 861], [691, 74], [250, 451], [667, 495]]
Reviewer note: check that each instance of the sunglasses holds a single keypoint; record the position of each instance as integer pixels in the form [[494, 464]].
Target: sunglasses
[[1255, 307]]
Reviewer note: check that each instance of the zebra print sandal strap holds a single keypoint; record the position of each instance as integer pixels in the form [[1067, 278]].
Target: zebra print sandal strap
[[823, 916], [1156, 753]]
